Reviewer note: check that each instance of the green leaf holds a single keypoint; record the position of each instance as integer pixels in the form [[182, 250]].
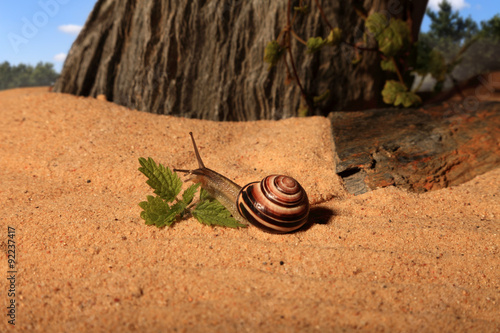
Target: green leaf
[[214, 213], [164, 182], [391, 90], [304, 9], [167, 185], [205, 196], [388, 65], [409, 99], [188, 195], [157, 212], [273, 53], [396, 93], [394, 38], [335, 37], [314, 44], [376, 23]]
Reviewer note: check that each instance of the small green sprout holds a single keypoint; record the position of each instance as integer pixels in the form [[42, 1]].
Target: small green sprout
[[166, 208], [396, 93]]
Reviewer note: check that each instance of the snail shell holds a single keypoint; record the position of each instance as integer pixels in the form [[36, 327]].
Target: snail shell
[[277, 204]]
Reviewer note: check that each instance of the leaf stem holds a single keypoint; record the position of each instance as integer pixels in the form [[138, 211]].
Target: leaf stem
[[292, 62], [322, 13], [298, 38], [362, 48], [398, 72]]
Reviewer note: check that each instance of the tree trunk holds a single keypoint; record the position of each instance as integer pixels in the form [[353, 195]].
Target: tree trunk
[[204, 59]]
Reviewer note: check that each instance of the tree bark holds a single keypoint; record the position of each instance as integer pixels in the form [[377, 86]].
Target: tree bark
[[204, 59], [416, 149]]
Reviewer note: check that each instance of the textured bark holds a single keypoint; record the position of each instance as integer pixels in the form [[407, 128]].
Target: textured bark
[[419, 150], [204, 58]]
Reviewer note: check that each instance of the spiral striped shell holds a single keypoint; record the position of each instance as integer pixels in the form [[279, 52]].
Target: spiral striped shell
[[277, 204]]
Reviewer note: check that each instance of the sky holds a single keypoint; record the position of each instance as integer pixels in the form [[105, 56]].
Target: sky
[[44, 30], [40, 30]]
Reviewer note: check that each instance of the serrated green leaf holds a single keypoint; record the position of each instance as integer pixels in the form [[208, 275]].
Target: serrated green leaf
[[376, 22], [410, 99], [167, 185], [394, 38], [396, 93], [179, 208], [273, 53], [388, 65], [314, 44], [335, 37], [205, 196], [157, 212], [164, 182], [188, 195], [214, 213], [391, 90]]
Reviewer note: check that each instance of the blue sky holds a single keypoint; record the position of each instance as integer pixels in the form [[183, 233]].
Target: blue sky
[[40, 30], [43, 30], [479, 10]]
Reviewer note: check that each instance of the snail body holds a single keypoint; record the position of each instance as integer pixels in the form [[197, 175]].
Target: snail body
[[276, 204]]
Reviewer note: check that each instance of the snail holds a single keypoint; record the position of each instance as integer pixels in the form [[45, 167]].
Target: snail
[[276, 204]]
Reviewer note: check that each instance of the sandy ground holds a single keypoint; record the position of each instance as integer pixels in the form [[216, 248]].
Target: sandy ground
[[387, 260]]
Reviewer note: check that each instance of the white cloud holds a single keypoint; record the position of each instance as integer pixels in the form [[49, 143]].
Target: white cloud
[[455, 4], [72, 29], [60, 57]]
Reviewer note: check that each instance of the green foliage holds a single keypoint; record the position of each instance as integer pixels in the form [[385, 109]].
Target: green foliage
[[26, 76], [314, 44], [303, 9], [388, 65], [393, 40], [453, 41], [159, 211], [335, 37], [212, 212], [273, 53], [166, 184], [491, 29], [397, 93], [448, 28], [437, 53], [437, 65], [392, 36], [376, 23]]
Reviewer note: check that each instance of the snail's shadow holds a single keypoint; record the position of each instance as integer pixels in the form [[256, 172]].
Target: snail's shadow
[[318, 215]]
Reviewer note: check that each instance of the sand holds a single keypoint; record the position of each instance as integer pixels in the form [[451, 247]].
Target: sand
[[387, 260]]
